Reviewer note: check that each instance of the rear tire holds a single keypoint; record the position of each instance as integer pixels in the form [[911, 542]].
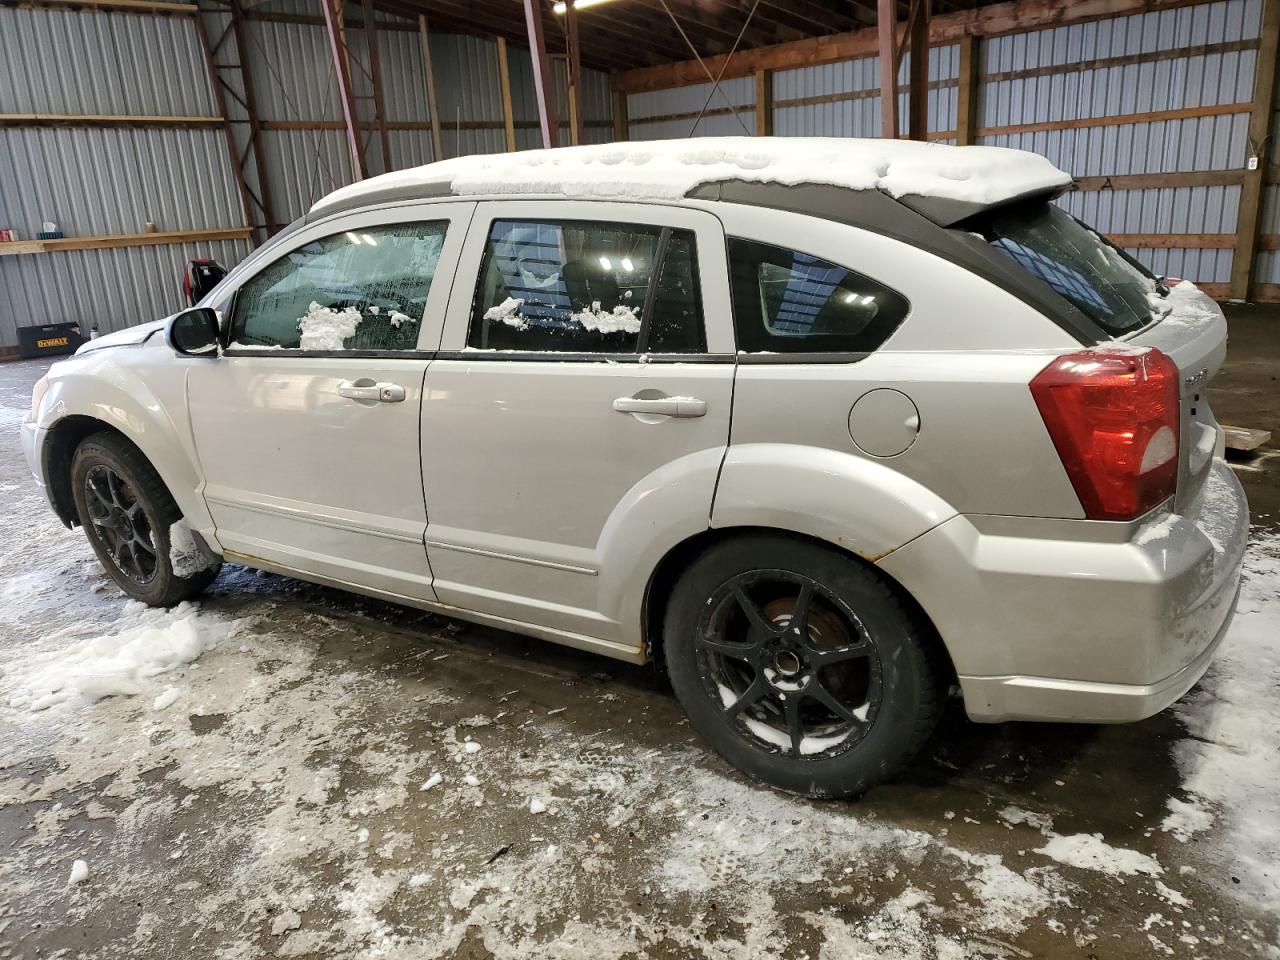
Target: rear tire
[[126, 512], [826, 708]]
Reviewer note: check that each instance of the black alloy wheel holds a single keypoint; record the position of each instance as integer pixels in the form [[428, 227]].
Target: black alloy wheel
[[793, 666], [118, 518], [127, 512], [803, 666]]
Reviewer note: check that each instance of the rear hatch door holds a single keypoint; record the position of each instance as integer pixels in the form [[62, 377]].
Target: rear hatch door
[[1192, 331]]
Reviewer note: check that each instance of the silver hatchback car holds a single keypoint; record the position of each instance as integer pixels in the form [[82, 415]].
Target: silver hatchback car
[[827, 427]]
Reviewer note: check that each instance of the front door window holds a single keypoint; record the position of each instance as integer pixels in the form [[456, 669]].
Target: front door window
[[363, 289]]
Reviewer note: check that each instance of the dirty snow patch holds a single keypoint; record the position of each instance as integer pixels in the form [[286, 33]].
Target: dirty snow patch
[[185, 554], [1229, 763], [1089, 851], [152, 642], [166, 699]]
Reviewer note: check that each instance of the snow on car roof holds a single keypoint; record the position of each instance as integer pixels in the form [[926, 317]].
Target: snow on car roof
[[669, 169]]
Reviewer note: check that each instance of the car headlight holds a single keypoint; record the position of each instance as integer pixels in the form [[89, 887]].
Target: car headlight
[[37, 397]]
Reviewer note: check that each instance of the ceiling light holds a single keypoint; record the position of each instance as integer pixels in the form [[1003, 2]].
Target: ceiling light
[[560, 8]]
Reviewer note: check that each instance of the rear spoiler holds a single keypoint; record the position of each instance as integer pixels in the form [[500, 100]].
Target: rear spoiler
[[947, 213]]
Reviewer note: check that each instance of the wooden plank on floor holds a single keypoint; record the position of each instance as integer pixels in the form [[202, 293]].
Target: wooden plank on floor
[[1245, 439]]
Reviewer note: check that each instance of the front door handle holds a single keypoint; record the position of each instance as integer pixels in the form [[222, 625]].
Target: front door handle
[[371, 391], [663, 406]]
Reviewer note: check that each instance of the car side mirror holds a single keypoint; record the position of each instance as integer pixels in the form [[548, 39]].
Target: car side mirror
[[194, 332]]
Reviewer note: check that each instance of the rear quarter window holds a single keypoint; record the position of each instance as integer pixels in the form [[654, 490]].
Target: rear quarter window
[[787, 301]]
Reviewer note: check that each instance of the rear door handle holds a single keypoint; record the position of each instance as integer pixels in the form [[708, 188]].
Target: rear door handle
[[371, 391], [662, 407]]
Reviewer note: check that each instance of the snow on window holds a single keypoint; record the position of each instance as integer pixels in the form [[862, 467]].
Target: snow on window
[[620, 318], [322, 328], [508, 312]]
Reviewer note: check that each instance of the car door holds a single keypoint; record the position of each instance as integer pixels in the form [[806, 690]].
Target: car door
[[307, 424], [578, 412]]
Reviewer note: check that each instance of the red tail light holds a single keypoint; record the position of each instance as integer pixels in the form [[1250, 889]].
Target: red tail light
[[1113, 418]]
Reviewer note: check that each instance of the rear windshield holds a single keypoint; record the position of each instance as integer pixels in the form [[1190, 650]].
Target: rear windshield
[[1106, 285]]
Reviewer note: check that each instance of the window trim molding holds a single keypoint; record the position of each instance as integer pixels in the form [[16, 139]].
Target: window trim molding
[[655, 275], [706, 226], [552, 356], [456, 214]]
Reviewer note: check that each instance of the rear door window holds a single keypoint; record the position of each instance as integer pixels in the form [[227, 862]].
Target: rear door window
[[1106, 285], [785, 301], [364, 289], [567, 286]]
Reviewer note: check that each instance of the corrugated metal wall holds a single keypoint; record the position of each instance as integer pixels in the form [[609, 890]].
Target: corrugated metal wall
[[1201, 56], [1207, 143], [98, 182], [108, 182]]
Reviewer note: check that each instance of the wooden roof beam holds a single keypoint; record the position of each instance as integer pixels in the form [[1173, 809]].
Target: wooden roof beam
[[1011, 17]]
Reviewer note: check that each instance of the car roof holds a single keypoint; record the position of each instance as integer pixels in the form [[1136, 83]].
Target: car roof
[[927, 176]]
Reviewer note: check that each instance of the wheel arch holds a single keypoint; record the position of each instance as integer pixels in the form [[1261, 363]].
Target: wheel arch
[[60, 445], [679, 558], [145, 404]]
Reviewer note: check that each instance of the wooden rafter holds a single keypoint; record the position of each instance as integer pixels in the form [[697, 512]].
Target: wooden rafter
[[985, 21], [541, 73]]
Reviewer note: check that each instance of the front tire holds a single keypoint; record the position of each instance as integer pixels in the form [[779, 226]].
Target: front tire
[[126, 513], [801, 666]]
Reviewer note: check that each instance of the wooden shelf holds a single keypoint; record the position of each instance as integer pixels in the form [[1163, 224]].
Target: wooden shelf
[[103, 120], [19, 247]]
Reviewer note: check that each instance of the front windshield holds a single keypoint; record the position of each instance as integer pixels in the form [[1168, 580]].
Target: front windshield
[[1112, 290]]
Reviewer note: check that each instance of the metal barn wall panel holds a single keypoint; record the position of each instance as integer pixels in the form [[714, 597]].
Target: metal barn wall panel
[[303, 166], [1194, 79], [99, 182], [117, 287], [292, 71], [78, 62], [642, 108], [857, 114]]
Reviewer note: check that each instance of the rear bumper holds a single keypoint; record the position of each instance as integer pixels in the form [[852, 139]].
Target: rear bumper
[[995, 699], [1043, 624]]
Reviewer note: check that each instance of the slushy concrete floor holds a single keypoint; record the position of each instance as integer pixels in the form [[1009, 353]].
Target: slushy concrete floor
[[276, 805]]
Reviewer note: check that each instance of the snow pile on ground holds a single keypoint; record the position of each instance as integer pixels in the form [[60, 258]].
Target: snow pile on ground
[[620, 318], [397, 318], [1230, 763], [508, 311], [668, 169], [324, 328], [148, 644]]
